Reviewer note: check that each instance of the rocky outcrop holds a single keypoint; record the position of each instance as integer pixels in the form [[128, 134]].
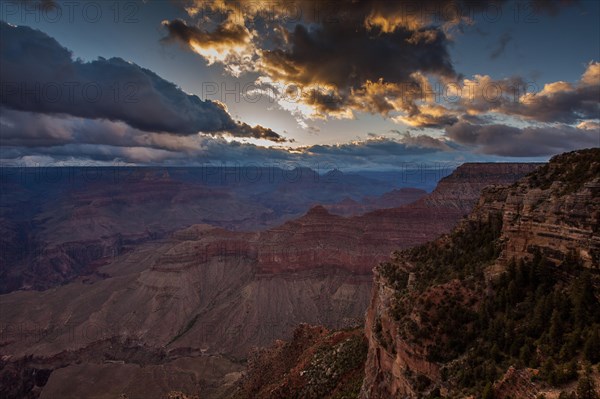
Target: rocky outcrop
[[424, 295], [315, 364], [120, 369], [553, 211], [516, 384], [393, 365], [556, 222]]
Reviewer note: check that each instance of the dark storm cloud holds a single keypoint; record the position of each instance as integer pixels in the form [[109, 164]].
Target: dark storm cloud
[[326, 101], [355, 40], [257, 132], [34, 130], [29, 129], [512, 141], [344, 56], [37, 74], [223, 35], [377, 147]]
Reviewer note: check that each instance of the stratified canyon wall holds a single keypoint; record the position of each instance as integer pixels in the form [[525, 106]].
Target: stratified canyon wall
[[430, 304]]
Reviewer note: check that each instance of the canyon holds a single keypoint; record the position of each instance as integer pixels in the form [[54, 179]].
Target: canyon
[[206, 295]]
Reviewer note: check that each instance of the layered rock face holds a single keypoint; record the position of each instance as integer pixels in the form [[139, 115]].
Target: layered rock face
[[386, 368], [392, 199], [58, 223], [425, 297], [554, 211], [555, 216]]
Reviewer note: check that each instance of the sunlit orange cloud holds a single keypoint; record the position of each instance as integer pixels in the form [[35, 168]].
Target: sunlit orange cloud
[[428, 115], [591, 76], [513, 97], [589, 125]]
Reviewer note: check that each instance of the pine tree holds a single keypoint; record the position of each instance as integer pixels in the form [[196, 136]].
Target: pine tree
[[585, 303], [591, 349], [525, 355], [549, 369], [556, 329]]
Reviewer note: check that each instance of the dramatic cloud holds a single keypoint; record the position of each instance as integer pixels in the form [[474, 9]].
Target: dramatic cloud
[[556, 102], [481, 96], [315, 59], [349, 56], [512, 141], [342, 56], [52, 134], [564, 102], [229, 44], [27, 129], [332, 53], [37, 74]]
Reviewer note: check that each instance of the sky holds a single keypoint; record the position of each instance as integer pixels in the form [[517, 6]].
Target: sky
[[356, 83]]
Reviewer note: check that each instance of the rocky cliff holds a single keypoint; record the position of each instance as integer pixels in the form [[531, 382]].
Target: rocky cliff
[[315, 364], [556, 211], [505, 288]]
